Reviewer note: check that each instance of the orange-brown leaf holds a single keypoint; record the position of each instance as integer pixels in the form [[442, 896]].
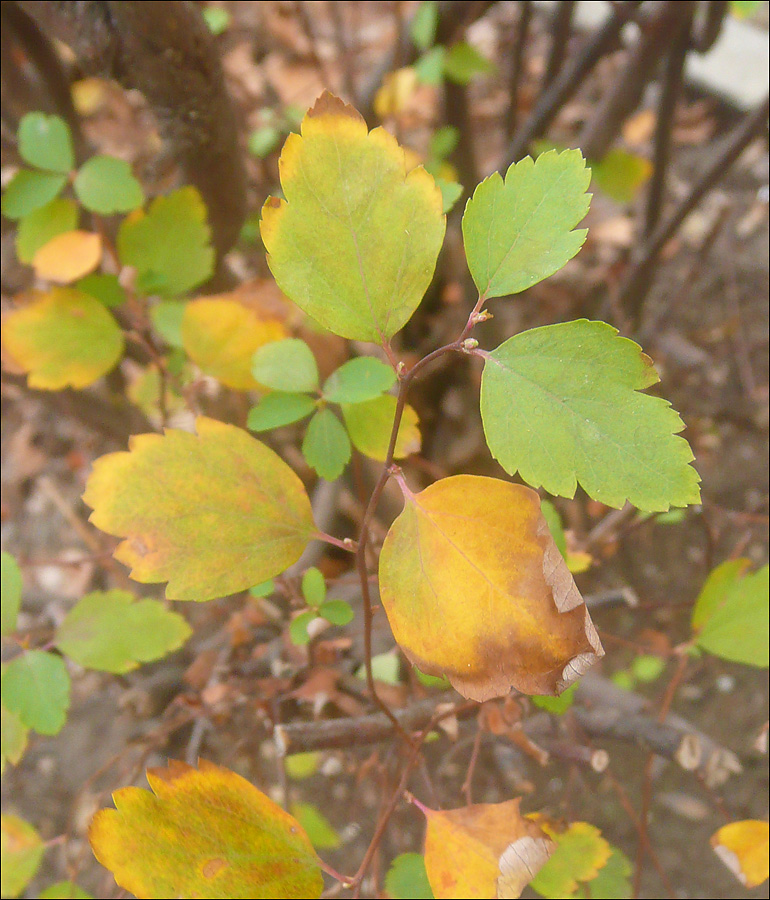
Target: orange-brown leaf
[[488, 850], [475, 589], [68, 256], [743, 848], [205, 832]]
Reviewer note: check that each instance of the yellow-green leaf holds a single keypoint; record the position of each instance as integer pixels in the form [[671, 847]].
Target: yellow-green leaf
[[204, 832], [22, 851], [211, 514], [220, 335], [11, 592], [483, 851], [64, 338], [580, 854], [369, 425], [355, 242], [13, 736], [318, 828], [44, 224], [743, 848], [112, 631], [475, 589]]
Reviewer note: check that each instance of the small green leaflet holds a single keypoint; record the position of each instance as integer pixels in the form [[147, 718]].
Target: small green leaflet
[[561, 405], [422, 28], [556, 705], [613, 881], [298, 627], [11, 592], [302, 765], [326, 447], [45, 142], [65, 890], [166, 318], [731, 615], [519, 231], [463, 62], [36, 687], [357, 380], [279, 408], [44, 224], [105, 288], [106, 185], [337, 612], [318, 828], [313, 587], [28, 191], [407, 878], [287, 365], [113, 632], [169, 244]]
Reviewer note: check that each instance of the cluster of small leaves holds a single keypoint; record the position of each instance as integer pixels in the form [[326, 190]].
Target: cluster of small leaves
[[335, 612], [460, 63], [357, 388]]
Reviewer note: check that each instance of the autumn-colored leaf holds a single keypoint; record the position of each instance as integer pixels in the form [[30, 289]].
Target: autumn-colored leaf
[[488, 850], [68, 256], [42, 225], [204, 832], [22, 851], [355, 242], [563, 405], [370, 423], [223, 512], [63, 338], [112, 631], [220, 335], [579, 854], [743, 848], [13, 737], [475, 589]]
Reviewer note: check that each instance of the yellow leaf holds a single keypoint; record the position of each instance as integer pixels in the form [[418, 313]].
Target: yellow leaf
[[220, 336], [475, 589], [355, 242], [68, 256], [211, 514], [63, 338], [488, 850], [743, 848], [205, 832], [397, 90], [370, 423]]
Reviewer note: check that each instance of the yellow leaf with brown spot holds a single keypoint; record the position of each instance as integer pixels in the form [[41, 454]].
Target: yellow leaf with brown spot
[[743, 848], [476, 590], [204, 832], [211, 514], [63, 338], [355, 242], [488, 850], [68, 256], [220, 336]]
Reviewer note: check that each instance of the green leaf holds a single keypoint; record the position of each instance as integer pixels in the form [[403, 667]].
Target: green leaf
[[44, 224], [13, 737], [736, 627], [562, 404], [169, 244], [320, 831], [581, 852], [28, 191], [556, 705], [422, 28], [217, 18], [621, 175], [451, 192], [407, 878], [647, 668], [386, 667], [223, 513], [112, 631], [264, 589], [519, 231], [552, 517], [463, 63], [36, 687], [355, 243], [262, 141], [430, 66], [712, 595], [744, 9], [166, 318], [338, 612], [613, 881], [10, 578], [21, 852], [370, 423], [359, 379], [298, 627], [313, 587], [279, 408], [302, 765], [432, 681], [287, 365], [65, 890], [105, 288], [106, 185], [46, 142], [326, 447], [443, 142]]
